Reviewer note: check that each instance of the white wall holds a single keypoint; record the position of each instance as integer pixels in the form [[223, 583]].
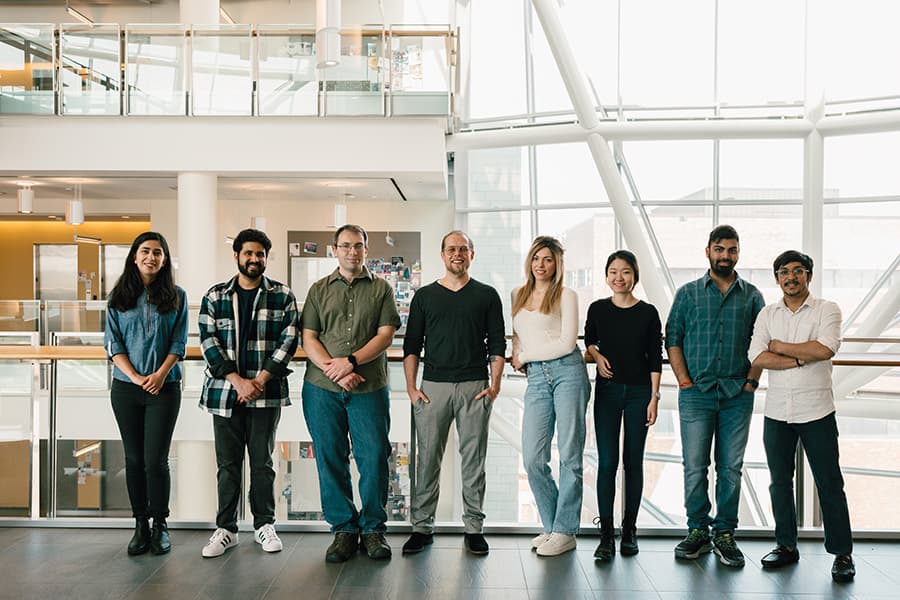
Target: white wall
[[355, 12]]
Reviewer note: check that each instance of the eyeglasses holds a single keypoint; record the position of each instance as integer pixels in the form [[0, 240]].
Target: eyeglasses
[[796, 272], [345, 247]]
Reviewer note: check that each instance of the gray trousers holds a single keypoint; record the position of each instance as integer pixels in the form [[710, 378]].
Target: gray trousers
[[450, 401]]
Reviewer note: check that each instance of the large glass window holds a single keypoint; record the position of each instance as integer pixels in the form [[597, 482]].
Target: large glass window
[[497, 178], [566, 174], [496, 44]]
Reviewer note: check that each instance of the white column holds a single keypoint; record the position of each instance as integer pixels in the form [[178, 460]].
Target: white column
[[197, 233], [813, 200], [579, 93], [199, 12]]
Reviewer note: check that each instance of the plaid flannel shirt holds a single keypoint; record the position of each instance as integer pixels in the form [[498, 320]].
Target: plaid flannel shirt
[[271, 346], [713, 331]]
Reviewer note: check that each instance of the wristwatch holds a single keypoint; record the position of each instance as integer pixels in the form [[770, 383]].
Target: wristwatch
[[657, 395], [352, 360], [753, 383]]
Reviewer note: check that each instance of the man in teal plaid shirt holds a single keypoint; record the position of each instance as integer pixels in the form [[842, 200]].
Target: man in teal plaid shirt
[[248, 334]]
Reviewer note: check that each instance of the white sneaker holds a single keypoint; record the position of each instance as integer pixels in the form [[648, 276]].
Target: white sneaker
[[220, 541], [267, 538], [538, 540], [557, 544]]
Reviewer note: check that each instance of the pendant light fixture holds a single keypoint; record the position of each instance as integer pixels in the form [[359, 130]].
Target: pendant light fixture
[[26, 199], [328, 33], [75, 208]]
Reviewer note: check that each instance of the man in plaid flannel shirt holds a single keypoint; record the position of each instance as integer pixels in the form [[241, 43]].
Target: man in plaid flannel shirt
[[248, 333]]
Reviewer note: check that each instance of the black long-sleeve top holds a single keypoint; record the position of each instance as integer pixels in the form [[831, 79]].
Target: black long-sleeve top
[[629, 338], [459, 331]]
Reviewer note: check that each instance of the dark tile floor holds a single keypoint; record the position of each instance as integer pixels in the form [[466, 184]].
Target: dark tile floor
[[92, 564]]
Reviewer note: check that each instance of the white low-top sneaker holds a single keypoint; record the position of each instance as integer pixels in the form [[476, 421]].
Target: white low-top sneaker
[[220, 541], [537, 540], [267, 538], [556, 544]]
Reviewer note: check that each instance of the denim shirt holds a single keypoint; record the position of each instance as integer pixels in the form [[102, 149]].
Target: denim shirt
[[146, 336]]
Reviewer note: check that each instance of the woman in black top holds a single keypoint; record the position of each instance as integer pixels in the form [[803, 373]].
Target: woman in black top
[[624, 336]]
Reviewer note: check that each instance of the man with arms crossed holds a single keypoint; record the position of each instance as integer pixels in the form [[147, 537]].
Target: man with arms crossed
[[459, 321], [349, 320], [707, 336], [795, 339], [248, 334]]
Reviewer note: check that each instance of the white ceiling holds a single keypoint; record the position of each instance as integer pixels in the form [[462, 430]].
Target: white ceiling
[[131, 195]]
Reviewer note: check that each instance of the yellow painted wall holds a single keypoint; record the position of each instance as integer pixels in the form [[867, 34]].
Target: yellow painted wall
[[17, 239]]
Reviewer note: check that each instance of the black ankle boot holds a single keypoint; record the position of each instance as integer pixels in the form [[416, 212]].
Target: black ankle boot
[[629, 546], [159, 539], [606, 549], [140, 541]]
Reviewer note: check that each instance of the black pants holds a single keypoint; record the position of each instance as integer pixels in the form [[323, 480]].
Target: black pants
[[254, 429], [615, 403], [146, 423], [820, 443]]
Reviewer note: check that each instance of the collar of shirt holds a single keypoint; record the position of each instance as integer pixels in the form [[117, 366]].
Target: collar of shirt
[[738, 282], [808, 302], [336, 276]]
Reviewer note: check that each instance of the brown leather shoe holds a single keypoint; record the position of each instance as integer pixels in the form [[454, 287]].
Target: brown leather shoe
[[343, 547]]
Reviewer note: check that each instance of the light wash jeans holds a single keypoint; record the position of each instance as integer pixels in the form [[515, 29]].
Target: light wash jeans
[[704, 416], [557, 397]]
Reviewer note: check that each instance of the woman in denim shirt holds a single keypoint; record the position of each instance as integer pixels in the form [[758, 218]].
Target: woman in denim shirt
[[545, 334], [145, 337]]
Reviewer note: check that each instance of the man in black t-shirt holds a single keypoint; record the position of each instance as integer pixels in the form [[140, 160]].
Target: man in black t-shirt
[[459, 321]]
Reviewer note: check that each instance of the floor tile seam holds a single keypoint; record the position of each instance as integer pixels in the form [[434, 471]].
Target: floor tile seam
[[892, 577]]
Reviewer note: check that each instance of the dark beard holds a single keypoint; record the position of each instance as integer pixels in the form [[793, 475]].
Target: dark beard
[[723, 272], [246, 273]]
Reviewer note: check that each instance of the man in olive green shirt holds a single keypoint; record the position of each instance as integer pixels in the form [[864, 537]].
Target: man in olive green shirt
[[349, 320]]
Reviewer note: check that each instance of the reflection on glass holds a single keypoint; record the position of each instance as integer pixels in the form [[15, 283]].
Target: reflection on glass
[[15, 439], [287, 72], [420, 71], [26, 62], [19, 316], [221, 70], [90, 69], [355, 86], [155, 69]]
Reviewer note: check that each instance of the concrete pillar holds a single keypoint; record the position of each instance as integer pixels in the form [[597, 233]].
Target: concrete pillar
[[197, 233]]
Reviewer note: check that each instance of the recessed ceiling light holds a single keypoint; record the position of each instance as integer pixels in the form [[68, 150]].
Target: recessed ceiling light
[[126, 216]]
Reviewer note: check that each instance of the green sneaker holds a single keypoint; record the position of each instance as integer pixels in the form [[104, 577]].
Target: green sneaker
[[726, 548], [696, 543]]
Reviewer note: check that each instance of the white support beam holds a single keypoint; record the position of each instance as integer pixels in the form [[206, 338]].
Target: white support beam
[[582, 101]]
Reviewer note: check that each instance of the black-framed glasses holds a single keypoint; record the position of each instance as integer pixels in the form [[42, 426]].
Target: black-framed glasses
[[345, 247], [796, 272]]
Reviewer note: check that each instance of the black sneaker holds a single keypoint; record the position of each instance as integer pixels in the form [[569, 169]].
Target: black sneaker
[[375, 545], [476, 544], [343, 547], [696, 543], [726, 548], [780, 557], [417, 542], [843, 570]]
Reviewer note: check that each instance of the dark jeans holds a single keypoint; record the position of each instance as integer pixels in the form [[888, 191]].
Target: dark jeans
[[613, 404], [146, 423], [820, 443], [253, 429]]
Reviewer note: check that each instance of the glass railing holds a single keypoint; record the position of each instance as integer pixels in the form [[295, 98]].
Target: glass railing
[[82, 473], [244, 70]]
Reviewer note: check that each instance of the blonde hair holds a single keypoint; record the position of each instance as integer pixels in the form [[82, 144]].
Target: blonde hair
[[553, 296]]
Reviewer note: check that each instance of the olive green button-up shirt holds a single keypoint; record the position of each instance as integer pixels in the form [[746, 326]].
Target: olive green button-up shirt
[[346, 315]]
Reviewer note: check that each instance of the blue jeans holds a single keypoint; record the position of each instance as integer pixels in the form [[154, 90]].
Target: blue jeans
[[613, 404], [557, 396], [704, 416], [335, 420]]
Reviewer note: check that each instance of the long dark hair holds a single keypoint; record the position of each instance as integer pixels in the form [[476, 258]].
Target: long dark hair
[[129, 286]]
